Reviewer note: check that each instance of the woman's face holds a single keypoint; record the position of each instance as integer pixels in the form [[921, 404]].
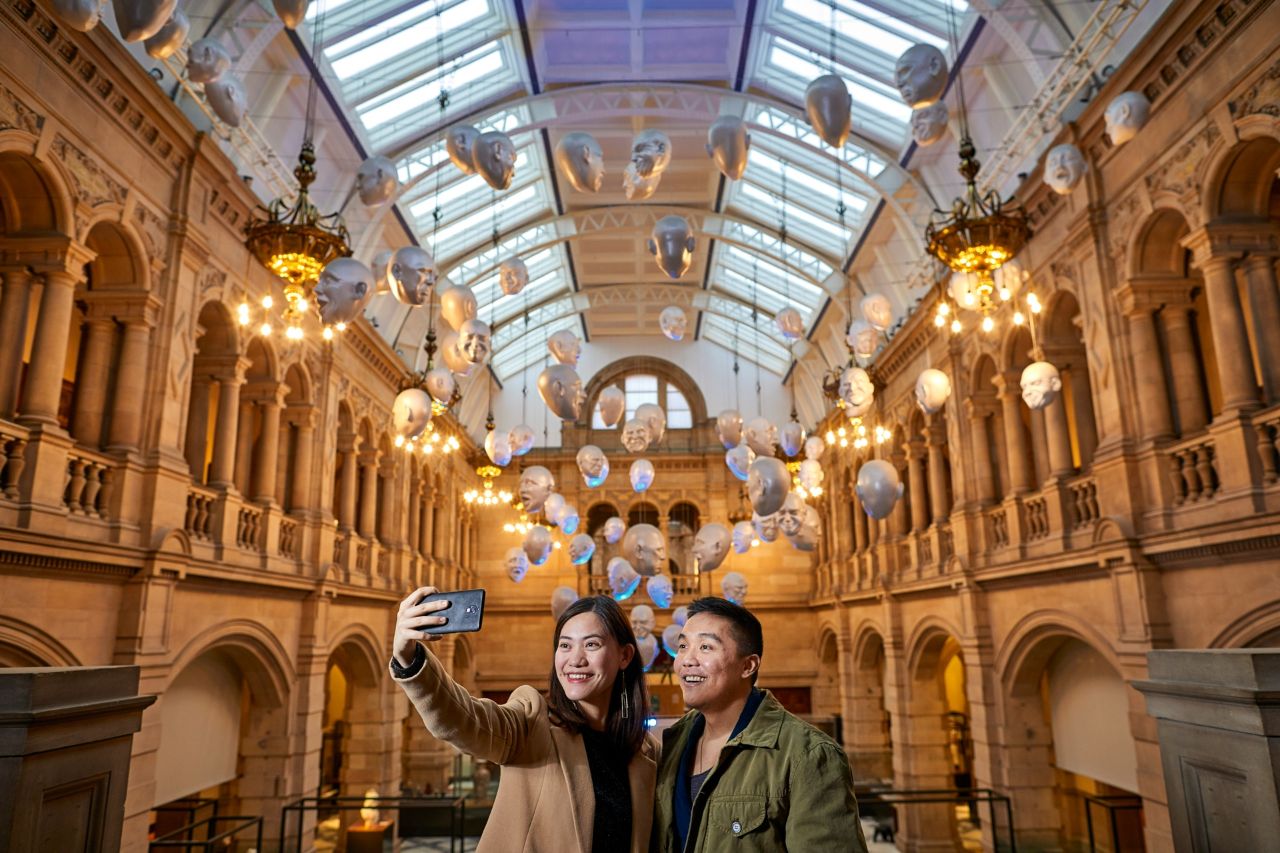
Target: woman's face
[[588, 659]]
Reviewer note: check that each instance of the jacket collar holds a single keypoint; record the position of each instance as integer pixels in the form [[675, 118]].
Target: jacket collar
[[763, 727]]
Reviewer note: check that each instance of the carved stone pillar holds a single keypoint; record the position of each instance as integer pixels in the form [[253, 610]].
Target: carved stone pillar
[[264, 461], [131, 379], [14, 300], [43, 387], [915, 475], [348, 486], [900, 517], [860, 533], [1015, 437], [300, 498], [1260, 276], [244, 446], [1149, 378], [197, 440], [938, 498], [92, 379], [1057, 435], [369, 494], [224, 443], [1188, 387], [1226, 320], [984, 485], [389, 514], [414, 515]]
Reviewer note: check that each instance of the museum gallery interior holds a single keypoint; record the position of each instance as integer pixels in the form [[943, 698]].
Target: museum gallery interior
[[942, 335]]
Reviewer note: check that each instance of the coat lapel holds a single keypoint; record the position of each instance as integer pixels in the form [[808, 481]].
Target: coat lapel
[[642, 773], [577, 775]]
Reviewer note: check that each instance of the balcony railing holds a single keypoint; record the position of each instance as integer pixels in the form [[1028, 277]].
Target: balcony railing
[[1037, 518], [1193, 470], [13, 458], [249, 529], [1084, 503], [288, 546], [89, 480], [1267, 426], [201, 503]]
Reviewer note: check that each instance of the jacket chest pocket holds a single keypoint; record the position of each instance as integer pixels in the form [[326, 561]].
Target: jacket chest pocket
[[731, 819]]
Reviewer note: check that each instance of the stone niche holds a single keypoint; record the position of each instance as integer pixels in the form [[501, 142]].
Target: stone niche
[[1218, 717], [65, 739]]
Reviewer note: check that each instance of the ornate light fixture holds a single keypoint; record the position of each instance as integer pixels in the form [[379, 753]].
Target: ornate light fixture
[[487, 496], [431, 442]]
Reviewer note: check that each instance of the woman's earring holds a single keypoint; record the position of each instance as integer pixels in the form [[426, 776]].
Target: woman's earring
[[626, 700]]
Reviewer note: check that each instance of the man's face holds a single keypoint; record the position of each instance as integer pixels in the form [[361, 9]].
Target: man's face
[[791, 516], [517, 564], [635, 436], [473, 341], [711, 670]]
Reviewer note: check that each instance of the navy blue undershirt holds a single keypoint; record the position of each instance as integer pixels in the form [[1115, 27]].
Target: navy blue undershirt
[[684, 791]]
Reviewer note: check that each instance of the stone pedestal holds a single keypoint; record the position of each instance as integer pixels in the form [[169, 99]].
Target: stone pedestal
[[1219, 725], [65, 741]]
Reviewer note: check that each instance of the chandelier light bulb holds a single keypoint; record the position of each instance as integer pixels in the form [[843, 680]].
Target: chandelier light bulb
[[831, 437], [1005, 294], [988, 324], [293, 333], [944, 308], [341, 327], [955, 327], [327, 334], [243, 313], [939, 321], [265, 330], [1018, 318], [302, 305], [267, 302]]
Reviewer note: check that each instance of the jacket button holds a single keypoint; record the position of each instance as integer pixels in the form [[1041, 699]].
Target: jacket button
[[737, 827]]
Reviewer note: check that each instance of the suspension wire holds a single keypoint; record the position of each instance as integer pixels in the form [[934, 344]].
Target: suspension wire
[[955, 54], [317, 35]]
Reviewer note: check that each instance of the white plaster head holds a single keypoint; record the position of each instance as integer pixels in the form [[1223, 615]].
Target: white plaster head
[[580, 160], [650, 156], [611, 404], [410, 413], [929, 124], [673, 322], [711, 546], [537, 544], [623, 580], [877, 311], [569, 520], [637, 188], [810, 474], [561, 389], [494, 157], [562, 598], [791, 437], [207, 60], [679, 616], [761, 436], [141, 19], [645, 549], [765, 527], [648, 650], [1064, 168], [814, 447], [517, 564], [806, 538], [641, 475], [744, 533], [168, 38], [613, 529], [553, 507], [381, 270], [862, 338], [1041, 383], [291, 12], [729, 428], [654, 420], [1126, 115], [580, 548], [535, 487], [451, 355], [671, 242], [660, 592], [498, 448], [933, 388], [411, 274], [878, 487], [227, 99], [790, 324], [565, 347], [768, 483], [457, 305], [734, 587], [376, 181], [521, 439], [791, 515], [440, 384], [728, 144], [593, 465], [829, 106], [82, 15], [739, 458], [635, 436], [475, 341], [345, 286], [513, 275], [921, 75], [643, 620], [460, 143], [856, 391]]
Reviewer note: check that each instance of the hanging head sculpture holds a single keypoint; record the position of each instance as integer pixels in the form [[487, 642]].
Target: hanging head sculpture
[[929, 124], [565, 347], [650, 155], [494, 157], [645, 549], [921, 75], [1064, 168], [561, 389], [345, 286], [459, 143], [829, 106], [376, 181], [727, 144], [671, 242], [856, 391], [711, 546], [1126, 115], [536, 483], [513, 275], [411, 275], [581, 161]]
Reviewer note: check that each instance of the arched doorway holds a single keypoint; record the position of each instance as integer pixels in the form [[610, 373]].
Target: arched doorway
[[868, 725]]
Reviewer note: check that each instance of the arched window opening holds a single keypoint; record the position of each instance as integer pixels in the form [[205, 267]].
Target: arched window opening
[[642, 388]]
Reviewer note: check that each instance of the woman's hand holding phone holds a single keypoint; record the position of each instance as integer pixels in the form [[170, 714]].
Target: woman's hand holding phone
[[412, 621]]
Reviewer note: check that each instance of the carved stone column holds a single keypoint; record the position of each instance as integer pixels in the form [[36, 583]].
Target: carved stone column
[[131, 381], [1058, 438], [938, 499], [1226, 319], [1015, 437], [1260, 276], [43, 387], [1150, 388], [984, 485], [300, 497], [197, 440], [915, 475], [224, 444], [14, 300], [369, 494], [264, 461], [92, 379], [348, 486], [1188, 388], [389, 514], [244, 445]]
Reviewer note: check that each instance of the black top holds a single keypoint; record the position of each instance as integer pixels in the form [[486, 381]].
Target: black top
[[611, 829], [695, 783]]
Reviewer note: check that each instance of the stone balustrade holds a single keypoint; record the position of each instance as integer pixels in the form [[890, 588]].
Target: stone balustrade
[[1193, 472], [200, 521], [288, 545], [13, 447], [1037, 514], [249, 528], [1083, 507], [89, 484], [1267, 426]]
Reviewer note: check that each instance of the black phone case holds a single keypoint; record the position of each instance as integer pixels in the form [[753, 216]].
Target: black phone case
[[465, 611]]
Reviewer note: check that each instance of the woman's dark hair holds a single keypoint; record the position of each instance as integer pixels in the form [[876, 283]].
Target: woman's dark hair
[[627, 733]]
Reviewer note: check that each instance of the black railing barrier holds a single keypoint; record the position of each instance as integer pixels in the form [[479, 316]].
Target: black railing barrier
[[1112, 805], [878, 805], [439, 816], [183, 814], [218, 834]]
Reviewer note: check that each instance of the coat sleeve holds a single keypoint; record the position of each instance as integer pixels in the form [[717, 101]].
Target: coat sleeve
[[479, 727], [823, 813]]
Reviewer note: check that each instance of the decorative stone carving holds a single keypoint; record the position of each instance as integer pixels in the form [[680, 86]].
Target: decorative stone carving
[[92, 184], [154, 231], [1180, 174], [1262, 98], [14, 113]]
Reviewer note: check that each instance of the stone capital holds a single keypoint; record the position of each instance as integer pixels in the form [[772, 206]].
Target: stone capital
[[128, 307], [46, 254], [976, 410], [1145, 294], [1230, 241]]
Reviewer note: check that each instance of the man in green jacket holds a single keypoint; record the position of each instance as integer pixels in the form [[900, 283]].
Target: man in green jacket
[[738, 772]]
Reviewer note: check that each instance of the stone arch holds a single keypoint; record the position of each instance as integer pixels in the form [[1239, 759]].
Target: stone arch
[[34, 194], [613, 373], [363, 653], [1062, 338], [1236, 185], [642, 511], [1155, 247], [24, 644], [1259, 626], [355, 750], [254, 648]]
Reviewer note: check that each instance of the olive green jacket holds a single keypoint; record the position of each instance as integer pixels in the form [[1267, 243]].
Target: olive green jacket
[[780, 784]]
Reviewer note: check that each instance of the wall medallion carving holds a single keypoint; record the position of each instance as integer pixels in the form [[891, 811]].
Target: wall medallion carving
[[1262, 98], [1181, 172], [92, 184], [210, 285], [16, 114]]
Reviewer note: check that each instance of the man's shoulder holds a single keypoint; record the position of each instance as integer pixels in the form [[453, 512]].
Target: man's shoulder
[[795, 734]]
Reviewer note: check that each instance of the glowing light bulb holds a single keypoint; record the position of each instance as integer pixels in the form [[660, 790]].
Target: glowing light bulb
[[1005, 294], [293, 333], [264, 329], [831, 437], [988, 324], [267, 302], [1018, 318], [341, 327], [944, 309], [939, 321], [302, 305], [327, 334], [955, 327], [243, 313], [399, 441]]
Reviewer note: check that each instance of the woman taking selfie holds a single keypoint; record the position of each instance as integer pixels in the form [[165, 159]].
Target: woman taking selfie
[[579, 765]]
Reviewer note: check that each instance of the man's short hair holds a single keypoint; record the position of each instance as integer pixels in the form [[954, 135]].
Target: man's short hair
[[745, 627]]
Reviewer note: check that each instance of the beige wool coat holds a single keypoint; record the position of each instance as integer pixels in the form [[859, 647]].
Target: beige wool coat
[[545, 802]]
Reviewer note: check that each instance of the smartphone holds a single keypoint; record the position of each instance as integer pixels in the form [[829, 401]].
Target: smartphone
[[465, 611]]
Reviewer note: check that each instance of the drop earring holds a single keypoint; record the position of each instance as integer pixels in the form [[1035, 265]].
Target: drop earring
[[626, 700]]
